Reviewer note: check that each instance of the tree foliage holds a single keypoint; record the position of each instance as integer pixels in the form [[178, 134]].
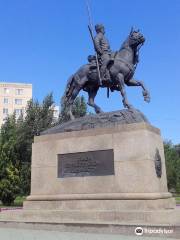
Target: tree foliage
[[16, 140], [9, 162], [172, 158]]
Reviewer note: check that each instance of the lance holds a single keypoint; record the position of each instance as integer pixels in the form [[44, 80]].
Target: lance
[[90, 27]]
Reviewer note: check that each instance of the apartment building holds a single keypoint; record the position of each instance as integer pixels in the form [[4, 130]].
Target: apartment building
[[13, 98], [56, 112]]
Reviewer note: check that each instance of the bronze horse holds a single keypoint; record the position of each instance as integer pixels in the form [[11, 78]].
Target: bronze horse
[[121, 71]]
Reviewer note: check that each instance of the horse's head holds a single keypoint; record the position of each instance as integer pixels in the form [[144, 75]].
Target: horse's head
[[135, 38]]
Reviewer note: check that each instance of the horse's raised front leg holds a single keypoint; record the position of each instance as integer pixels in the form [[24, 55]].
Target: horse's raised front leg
[[120, 79], [145, 92], [92, 94]]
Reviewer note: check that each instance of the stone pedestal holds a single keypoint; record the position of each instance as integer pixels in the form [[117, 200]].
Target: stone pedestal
[[134, 192]]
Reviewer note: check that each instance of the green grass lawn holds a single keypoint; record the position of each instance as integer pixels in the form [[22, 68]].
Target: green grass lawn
[[18, 202], [177, 197], [178, 200]]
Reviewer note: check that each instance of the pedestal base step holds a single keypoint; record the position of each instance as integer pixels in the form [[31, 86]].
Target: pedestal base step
[[102, 205], [171, 217]]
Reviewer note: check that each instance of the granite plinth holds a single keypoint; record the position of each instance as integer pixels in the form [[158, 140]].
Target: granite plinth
[[133, 193]]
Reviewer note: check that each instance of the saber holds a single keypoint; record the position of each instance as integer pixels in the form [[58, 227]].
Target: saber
[[90, 27]]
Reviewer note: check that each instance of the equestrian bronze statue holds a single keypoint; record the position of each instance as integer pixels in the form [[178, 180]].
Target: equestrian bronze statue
[[116, 70]]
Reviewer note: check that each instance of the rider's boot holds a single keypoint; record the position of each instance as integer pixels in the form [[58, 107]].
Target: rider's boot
[[106, 77]]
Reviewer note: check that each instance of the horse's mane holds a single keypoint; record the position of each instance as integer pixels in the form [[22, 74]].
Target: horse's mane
[[125, 43]]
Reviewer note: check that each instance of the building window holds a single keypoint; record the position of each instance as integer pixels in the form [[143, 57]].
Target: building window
[[18, 101], [6, 100], [19, 91], [6, 90], [18, 112], [5, 110]]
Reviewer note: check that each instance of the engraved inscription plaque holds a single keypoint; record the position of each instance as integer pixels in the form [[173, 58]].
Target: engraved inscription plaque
[[81, 164]]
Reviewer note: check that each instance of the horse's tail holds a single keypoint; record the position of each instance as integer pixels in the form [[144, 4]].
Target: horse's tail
[[67, 93]]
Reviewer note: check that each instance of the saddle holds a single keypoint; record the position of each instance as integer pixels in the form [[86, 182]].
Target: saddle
[[93, 65]]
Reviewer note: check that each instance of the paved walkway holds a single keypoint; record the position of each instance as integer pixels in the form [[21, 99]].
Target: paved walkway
[[25, 234]]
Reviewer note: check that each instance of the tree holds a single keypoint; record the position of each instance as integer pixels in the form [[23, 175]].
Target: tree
[[177, 147], [9, 162], [38, 118], [9, 184], [16, 140], [172, 166]]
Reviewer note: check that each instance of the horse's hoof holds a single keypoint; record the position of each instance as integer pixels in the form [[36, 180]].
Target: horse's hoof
[[130, 106], [144, 93], [147, 99], [98, 111], [146, 96], [125, 104]]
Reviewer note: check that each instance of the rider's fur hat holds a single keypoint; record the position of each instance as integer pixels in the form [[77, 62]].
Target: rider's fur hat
[[98, 27]]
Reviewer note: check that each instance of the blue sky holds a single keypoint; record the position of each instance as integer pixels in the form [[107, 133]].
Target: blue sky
[[44, 41]]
